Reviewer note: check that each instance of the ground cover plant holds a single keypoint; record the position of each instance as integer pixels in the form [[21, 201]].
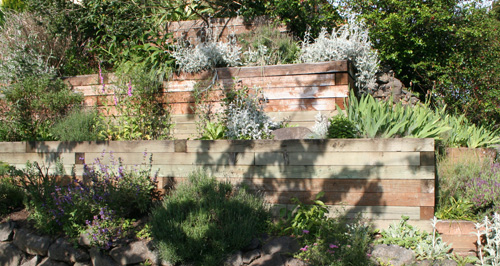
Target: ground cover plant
[[325, 240], [204, 220]]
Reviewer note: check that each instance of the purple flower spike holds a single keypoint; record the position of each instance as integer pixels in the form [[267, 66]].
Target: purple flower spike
[[305, 231], [129, 88]]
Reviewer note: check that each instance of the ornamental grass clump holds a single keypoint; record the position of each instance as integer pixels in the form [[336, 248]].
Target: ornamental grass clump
[[204, 220]]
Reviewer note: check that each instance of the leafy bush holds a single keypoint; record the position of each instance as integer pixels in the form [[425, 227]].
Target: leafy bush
[[69, 208], [348, 42], [34, 104], [471, 181], [78, 125], [204, 220], [11, 195], [425, 245], [26, 48], [341, 128], [245, 117], [466, 134], [142, 108], [268, 46], [327, 241]]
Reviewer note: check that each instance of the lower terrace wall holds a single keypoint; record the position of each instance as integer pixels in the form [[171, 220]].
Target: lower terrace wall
[[380, 178]]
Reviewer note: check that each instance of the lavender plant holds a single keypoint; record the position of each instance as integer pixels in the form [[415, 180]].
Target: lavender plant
[[106, 228], [349, 42], [104, 189]]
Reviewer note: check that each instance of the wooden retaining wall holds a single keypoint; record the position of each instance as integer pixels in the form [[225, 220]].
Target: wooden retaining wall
[[297, 92], [220, 28], [380, 178]]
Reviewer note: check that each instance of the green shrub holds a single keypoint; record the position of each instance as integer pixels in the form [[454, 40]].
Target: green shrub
[[78, 125], [11, 195], [75, 206], [35, 104], [341, 128], [143, 111], [268, 46], [204, 220]]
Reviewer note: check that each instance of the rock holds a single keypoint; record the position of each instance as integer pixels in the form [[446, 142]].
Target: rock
[[292, 133], [269, 260], [48, 262], [98, 259], [446, 263], [135, 252], [234, 260], [250, 256], [82, 264], [7, 231], [62, 250], [254, 244], [9, 255], [32, 262], [31, 243], [295, 262], [84, 239], [283, 244], [391, 254]]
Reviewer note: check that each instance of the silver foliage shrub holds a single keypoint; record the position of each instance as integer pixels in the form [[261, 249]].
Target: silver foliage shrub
[[320, 128], [246, 119], [348, 42], [207, 55], [27, 48]]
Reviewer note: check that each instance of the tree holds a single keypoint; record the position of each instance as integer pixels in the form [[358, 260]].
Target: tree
[[445, 47]]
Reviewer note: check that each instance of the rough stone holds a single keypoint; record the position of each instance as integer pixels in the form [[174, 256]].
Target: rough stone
[[133, 253], [234, 260], [283, 244], [250, 256], [62, 250], [7, 231], [32, 262], [82, 264], [254, 244], [9, 255], [31, 243], [84, 239], [292, 133], [391, 254], [97, 258], [48, 262], [269, 260], [295, 262]]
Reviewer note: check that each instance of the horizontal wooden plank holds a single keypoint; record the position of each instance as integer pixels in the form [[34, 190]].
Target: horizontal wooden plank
[[92, 79], [139, 146], [239, 173], [41, 158], [313, 145], [306, 116], [269, 71], [374, 214], [12, 147], [96, 90], [334, 185], [356, 199], [337, 158]]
